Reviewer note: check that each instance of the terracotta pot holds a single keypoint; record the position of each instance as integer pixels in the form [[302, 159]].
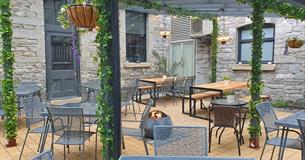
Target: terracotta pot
[[83, 16], [11, 143], [254, 142], [295, 43]]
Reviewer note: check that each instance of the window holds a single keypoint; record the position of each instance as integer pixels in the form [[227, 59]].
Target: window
[[135, 36], [245, 44]]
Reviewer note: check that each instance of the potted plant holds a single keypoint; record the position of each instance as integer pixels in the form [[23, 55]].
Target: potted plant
[[226, 79], [230, 95], [164, 67], [80, 14], [295, 42]]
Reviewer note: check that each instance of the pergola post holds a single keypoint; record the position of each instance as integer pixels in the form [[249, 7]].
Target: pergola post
[[115, 81]]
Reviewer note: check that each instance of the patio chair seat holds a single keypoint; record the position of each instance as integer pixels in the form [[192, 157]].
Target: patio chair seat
[[291, 143], [134, 132], [40, 130], [72, 138]]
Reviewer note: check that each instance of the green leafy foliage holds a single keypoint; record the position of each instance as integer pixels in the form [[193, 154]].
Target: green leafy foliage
[[105, 110], [280, 104], [7, 58], [214, 50], [163, 65], [169, 9]]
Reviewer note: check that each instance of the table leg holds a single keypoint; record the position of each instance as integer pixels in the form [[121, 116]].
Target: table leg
[[155, 90], [190, 99], [284, 144], [281, 144], [240, 129]]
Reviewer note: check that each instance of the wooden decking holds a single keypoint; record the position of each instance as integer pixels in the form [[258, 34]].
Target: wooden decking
[[227, 148]]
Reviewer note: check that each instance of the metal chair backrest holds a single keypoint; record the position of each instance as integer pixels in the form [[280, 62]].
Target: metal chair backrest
[[27, 84], [167, 84], [180, 141], [146, 112], [179, 83], [224, 116], [32, 107], [267, 114], [189, 81], [47, 155], [302, 129], [51, 92], [66, 119], [128, 92]]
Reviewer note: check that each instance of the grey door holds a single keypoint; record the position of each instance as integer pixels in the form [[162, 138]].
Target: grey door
[[62, 68]]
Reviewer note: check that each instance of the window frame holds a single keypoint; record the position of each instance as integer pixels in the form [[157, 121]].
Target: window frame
[[145, 36], [240, 41]]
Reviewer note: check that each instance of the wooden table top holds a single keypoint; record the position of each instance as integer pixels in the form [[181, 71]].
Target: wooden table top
[[157, 80], [222, 85]]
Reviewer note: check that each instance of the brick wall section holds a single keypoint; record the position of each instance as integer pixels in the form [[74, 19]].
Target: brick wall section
[[29, 41], [286, 82]]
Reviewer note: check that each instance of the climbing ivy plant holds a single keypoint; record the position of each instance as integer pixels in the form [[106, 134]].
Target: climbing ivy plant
[[214, 50], [7, 58], [257, 17], [105, 110]]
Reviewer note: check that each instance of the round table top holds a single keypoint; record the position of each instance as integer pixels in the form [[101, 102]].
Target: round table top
[[225, 102]]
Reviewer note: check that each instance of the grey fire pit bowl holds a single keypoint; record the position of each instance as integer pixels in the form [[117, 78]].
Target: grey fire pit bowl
[[150, 122]]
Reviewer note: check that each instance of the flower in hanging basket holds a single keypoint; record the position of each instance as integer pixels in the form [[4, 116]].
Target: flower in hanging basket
[[295, 42], [83, 16]]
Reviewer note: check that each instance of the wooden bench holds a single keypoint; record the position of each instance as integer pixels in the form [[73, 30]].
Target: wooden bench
[[262, 97], [199, 97]]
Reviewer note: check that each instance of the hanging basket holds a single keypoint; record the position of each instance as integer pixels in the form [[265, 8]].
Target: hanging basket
[[295, 43], [83, 16]]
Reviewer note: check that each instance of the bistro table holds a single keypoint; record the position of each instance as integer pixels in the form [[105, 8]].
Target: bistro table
[[89, 110], [287, 123], [154, 82], [239, 104]]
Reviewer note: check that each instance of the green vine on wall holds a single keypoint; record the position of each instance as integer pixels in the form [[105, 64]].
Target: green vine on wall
[[169, 9], [7, 58], [214, 50], [105, 110]]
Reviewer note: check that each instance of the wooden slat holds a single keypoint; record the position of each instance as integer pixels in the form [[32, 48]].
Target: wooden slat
[[223, 86]]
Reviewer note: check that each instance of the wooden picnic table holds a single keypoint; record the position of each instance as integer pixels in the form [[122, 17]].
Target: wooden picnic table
[[221, 86]]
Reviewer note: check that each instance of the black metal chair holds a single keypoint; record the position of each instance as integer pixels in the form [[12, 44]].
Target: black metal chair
[[127, 96], [166, 88], [33, 107], [137, 132], [267, 114], [224, 117], [180, 141], [302, 129], [68, 124], [178, 88], [50, 94], [47, 155]]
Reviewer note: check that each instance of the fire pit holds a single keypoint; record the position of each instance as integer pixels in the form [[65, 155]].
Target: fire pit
[[155, 118]]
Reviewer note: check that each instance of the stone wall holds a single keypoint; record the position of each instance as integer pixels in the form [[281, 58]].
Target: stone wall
[[29, 41], [287, 81], [129, 71]]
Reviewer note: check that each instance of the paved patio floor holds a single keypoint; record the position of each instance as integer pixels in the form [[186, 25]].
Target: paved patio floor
[[227, 148]]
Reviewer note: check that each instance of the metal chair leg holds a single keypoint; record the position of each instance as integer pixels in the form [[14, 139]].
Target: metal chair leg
[[273, 153], [263, 152], [26, 137], [219, 138], [238, 141], [210, 138], [95, 153], [64, 152]]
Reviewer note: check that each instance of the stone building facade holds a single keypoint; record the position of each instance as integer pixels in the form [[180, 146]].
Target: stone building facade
[[29, 46], [284, 79]]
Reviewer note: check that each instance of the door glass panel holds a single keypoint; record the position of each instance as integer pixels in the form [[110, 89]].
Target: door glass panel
[[188, 61], [177, 55], [61, 49]]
